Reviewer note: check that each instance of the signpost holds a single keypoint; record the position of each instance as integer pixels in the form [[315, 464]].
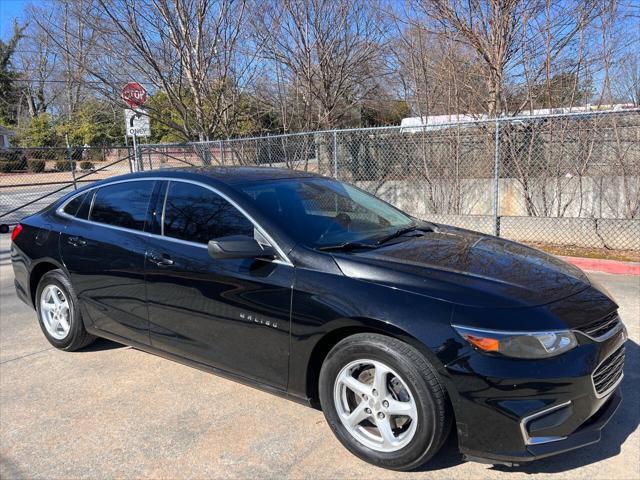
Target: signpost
[[136, 118]]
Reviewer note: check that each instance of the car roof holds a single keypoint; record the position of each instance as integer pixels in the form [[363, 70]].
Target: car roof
[[232, 175]]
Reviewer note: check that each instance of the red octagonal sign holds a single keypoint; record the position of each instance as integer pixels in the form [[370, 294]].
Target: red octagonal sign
[[134, 94]]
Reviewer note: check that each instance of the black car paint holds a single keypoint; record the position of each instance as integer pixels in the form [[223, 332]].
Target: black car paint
[[269, 324]]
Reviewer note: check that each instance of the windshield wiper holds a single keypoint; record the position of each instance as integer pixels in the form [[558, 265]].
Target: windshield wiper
[[347, 246], [402, 231]]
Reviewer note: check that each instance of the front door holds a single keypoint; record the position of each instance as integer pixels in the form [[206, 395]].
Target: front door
[[229, 314]]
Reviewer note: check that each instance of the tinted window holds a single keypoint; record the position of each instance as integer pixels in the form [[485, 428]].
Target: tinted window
[[83, 211], [321, 212], [72, 207], [198, 215], [123, 204]]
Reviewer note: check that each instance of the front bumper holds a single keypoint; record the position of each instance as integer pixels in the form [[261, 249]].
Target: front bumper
[[511, 411], [587, 434]]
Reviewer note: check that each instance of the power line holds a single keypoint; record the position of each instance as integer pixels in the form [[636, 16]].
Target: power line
[[100, 82]]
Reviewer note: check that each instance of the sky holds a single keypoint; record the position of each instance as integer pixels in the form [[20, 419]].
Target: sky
[[10, 9]]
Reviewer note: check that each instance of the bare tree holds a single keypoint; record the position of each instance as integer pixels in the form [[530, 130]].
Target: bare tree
[[191, 51], [328, 53], [504, 32], [627, 80]]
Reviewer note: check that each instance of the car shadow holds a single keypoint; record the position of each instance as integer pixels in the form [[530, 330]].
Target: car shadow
[[448, 456], [102, 344], [622, 424]]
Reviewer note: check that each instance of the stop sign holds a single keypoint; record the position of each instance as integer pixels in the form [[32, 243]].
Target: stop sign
[[134, 94]]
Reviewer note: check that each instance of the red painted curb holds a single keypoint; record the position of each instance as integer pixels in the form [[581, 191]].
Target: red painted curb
[[607, 266]]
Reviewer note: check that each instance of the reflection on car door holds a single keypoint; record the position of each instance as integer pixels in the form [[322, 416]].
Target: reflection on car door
[[230, 314], [105, 257]]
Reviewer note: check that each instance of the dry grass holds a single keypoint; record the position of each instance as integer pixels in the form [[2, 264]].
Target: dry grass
[[573, 251]]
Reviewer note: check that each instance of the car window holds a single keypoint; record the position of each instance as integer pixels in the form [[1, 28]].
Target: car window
[[72, 207], [319, 212], [197, 214], [123, 204], [83, 211]]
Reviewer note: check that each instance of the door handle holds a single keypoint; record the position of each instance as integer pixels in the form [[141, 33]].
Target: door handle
[[162, 260], [76, 241]]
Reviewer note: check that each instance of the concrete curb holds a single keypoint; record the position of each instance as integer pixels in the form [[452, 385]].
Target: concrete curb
[[607, 266]]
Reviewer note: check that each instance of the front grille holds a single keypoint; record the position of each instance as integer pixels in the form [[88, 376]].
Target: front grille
[[609, 372], [601, 327]]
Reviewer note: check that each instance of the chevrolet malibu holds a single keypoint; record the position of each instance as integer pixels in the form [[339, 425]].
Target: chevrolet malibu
[[397, 328]]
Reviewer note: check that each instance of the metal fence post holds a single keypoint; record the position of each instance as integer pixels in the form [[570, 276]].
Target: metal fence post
[[137, 158], [335, 154], [71, 165], [496, 185]]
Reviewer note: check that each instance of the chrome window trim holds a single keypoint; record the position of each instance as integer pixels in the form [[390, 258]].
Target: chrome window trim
[[283, 260], [164, 207], [93, 200], [539, 440]]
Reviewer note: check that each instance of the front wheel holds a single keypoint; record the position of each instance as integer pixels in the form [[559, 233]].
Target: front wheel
[[383, 401]]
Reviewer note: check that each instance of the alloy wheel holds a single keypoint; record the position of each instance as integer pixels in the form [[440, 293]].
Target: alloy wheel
[[375, 405], [55, 312]]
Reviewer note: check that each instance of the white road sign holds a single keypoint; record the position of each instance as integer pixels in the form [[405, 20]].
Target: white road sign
[[137, 123]]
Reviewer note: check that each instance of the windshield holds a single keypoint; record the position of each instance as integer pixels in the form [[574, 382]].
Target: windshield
[[320, 212]]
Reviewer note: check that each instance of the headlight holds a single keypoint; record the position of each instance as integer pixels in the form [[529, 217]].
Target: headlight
[[519, 344]]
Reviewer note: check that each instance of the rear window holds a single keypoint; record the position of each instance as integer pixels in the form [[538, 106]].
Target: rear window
[[73, 206], [123, 204]]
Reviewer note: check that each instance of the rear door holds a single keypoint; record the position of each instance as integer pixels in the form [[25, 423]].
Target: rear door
[[233, 314], [103, 249]]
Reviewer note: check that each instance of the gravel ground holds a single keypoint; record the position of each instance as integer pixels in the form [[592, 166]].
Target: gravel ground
[[113, 411]]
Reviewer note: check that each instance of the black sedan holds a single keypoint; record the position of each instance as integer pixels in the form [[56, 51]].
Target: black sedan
[[315, 290]]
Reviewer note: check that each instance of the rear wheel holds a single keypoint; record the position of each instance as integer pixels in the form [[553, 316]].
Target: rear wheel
[[383, 401], [58, 312]]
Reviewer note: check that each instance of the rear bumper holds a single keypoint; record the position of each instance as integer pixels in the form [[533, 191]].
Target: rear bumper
[[22, 294], [587, 434]]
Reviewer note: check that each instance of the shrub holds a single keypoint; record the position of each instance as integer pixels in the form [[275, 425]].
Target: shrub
[[40, 154], [86, 165], [12, 156], [64, 166], [93, 155], [11, 166], [35, 166], [76, 153]]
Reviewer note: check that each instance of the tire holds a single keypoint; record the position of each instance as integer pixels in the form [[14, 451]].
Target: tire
[[69, 334], [408, 382]]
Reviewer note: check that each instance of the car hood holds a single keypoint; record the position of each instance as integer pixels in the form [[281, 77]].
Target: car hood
[[467, 268]]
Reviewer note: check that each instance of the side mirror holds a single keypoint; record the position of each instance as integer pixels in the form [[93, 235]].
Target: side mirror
[[239, 246]]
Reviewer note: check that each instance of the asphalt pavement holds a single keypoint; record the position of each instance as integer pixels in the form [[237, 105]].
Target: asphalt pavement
[[111, 411]]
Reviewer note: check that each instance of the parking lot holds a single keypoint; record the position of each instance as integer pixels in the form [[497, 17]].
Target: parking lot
[[113, 411]]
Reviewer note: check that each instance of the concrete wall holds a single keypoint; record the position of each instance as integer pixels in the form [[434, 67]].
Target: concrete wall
[[588, 217]]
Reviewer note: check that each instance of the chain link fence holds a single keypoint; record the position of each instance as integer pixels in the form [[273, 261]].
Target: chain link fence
[[32, 178], [563, 180], [566, 180]]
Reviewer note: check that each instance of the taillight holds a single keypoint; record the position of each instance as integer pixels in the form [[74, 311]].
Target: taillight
[[16, 231]]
